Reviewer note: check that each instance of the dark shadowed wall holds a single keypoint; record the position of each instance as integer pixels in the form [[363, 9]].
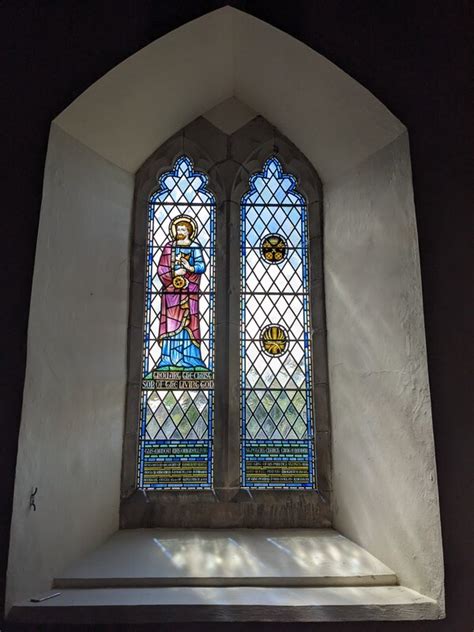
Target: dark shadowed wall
[[414, 56]]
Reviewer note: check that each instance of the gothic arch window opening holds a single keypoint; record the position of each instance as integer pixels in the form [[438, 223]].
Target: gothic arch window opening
[[177, 397], [184, 487], [276, 386]]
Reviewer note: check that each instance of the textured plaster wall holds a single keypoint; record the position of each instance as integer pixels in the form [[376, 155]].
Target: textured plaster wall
[[333, 119], [140, 103], [70, 443], [384, 476]]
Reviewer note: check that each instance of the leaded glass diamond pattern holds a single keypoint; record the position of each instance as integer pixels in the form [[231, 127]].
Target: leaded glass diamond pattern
[[176, 424], [262, 310], [181, 192], [285, 371], [276, 409], [284, 220], [177, 415], [276, 414], [263, 278]]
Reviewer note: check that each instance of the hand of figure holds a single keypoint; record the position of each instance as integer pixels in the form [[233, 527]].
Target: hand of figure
[[180, 272], [185, 263]]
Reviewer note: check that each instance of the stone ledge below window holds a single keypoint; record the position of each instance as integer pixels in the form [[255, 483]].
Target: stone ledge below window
[[155, 575]]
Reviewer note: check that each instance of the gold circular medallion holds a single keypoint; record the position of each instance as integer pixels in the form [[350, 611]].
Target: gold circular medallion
[[179, 282], [273, 248], [274, 340]]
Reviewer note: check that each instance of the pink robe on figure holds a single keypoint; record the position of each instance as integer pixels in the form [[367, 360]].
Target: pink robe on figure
[[179, 308]]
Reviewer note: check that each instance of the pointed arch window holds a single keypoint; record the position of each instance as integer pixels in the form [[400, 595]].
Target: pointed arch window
[[177, 397], [276, 399], [226, 308]]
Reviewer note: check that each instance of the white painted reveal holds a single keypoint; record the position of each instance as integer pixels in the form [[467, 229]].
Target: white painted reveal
[[136, 106], [385, 491], [384, 471], [70, 443]]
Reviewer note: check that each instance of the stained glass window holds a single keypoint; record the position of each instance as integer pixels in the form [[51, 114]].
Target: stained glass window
[[276, 407], [177, 397]]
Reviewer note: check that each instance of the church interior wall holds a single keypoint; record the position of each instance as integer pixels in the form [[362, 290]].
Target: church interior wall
[[384, 469], [70, 442], [71, 434]]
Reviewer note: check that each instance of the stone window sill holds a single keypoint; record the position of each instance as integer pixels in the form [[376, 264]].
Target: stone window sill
[[156, 575]]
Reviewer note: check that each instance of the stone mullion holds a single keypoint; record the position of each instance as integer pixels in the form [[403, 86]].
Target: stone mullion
[[233, 472], [227, 426], [221, 377]]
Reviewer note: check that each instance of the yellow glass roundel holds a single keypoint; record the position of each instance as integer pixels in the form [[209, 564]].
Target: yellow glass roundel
[[274, 340], [273, 248], [180, 282]]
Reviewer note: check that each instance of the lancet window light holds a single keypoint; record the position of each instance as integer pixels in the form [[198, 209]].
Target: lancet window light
[[177, 391], [276, 406], [177, 401]]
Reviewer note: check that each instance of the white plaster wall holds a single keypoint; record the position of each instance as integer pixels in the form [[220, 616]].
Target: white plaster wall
[[331, 118], [70, 443], [136, 106], [384, 477]]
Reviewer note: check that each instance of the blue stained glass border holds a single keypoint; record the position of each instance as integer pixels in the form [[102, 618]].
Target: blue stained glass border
[[204, 199], [294, 199]]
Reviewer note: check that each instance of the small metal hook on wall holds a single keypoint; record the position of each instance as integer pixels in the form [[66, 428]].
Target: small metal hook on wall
[[32, 499]]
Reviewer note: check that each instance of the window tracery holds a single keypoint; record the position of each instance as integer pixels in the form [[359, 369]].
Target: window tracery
[[193, 438]]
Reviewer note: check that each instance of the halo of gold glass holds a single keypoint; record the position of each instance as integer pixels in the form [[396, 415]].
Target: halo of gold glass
[[186, 219]]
